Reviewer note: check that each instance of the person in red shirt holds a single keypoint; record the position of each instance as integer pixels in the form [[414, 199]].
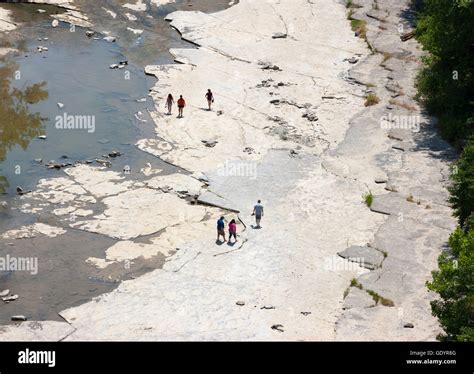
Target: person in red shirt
[[181, 105]]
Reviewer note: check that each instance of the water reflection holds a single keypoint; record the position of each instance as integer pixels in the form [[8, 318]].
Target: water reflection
[[17, 125]]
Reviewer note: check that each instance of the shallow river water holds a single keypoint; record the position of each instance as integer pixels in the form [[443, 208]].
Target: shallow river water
[[75, 73]]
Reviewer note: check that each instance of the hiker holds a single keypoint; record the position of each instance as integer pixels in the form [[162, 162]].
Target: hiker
[[181, 105], [169, 103], [258, 213], [221, 229], [232, 231], [210, 99]]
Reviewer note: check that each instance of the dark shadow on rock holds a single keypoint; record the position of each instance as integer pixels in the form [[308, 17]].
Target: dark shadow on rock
[[429, 140], [409, 14]]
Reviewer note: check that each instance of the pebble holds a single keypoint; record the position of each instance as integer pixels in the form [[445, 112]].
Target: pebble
[[10, 298]]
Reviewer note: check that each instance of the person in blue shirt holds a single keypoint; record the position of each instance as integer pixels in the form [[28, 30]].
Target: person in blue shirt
[[221, 229]]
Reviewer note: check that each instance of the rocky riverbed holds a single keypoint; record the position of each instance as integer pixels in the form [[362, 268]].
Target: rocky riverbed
[[289, 126]]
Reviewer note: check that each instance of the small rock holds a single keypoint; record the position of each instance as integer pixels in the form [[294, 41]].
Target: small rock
[[267, 307], [42, 137], [279, 35], [4, 293], [60, 105], [41, 11], [90, 33], [114, 154], [220, 112], [306, 313], [109, 39], [10, 298], [114, 66], [278, 328], [380, 180], [55, 23], [210, 144], [408, 326], [19, 318], [275, 102], [240, 303], [311, 116]]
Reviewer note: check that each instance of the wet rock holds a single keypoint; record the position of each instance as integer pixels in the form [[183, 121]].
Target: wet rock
[[278, 328], [55, 23], [7, 299], [19, 318], [138, 117], [56, 165], [115, 154], [60, 105], [90, 33], [43, 137], [104, 162], [109, 39]]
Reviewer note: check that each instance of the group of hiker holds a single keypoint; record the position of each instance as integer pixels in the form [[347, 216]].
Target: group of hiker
[[232, 226], [182, 103]]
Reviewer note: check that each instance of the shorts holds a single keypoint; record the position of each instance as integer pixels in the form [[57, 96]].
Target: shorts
[[258, 217], [221, 232]]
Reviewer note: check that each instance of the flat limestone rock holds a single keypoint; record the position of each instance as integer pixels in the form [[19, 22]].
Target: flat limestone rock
[[358, 298], [367, 257], [391, 203], [28, 232], [140, 212]]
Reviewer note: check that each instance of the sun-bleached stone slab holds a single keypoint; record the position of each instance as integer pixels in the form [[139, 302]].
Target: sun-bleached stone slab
[[27, 232], [139, 212]]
